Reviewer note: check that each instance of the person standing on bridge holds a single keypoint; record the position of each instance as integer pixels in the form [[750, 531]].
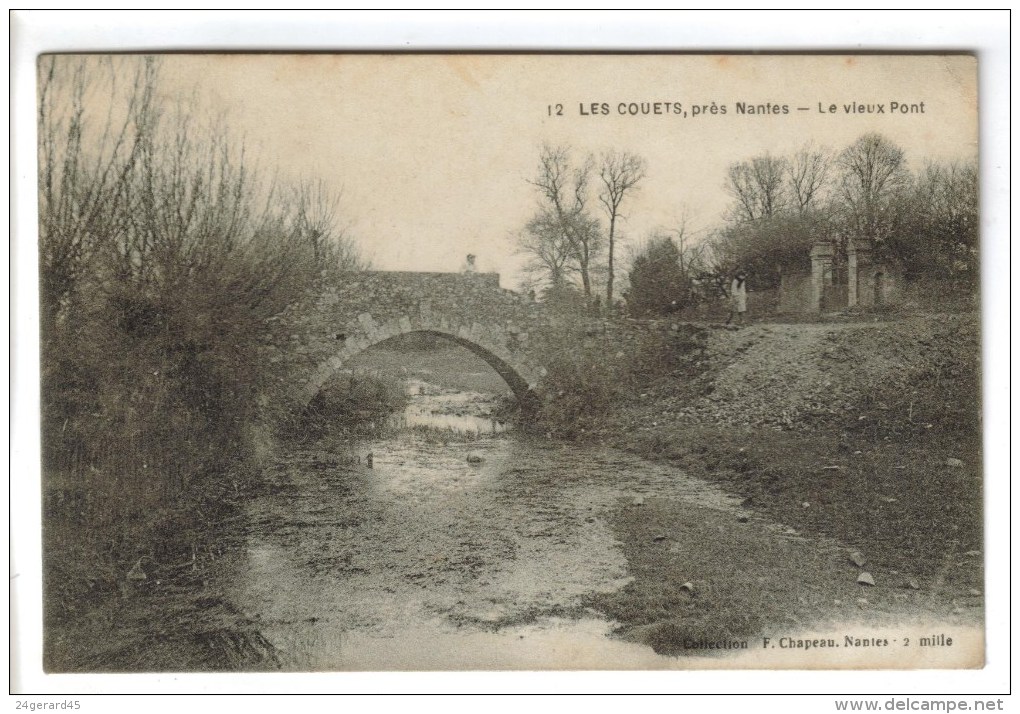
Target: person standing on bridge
[[469, 265], [738, 297]]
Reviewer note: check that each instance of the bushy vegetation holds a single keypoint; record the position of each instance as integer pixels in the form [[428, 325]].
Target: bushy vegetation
[[163, 251], [590, 376], [770, 245], [349, 402], [659, 283], [935, 224]]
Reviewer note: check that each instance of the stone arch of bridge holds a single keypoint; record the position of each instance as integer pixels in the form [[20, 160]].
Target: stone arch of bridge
[[501, 348]]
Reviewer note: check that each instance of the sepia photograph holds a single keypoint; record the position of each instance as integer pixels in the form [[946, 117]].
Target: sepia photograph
[[458, 361]]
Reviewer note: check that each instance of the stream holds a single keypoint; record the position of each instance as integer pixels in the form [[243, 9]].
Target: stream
[[463, 546]]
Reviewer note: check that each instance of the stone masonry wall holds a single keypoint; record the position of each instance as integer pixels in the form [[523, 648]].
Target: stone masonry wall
[[795, 293]]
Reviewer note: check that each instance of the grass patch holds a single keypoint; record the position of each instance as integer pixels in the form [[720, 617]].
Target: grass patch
[[97, 618], [735, 594], [906, 505]]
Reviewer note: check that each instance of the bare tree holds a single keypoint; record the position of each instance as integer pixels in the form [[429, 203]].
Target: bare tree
[[871, 170], [807, 174], [550, 255], [564, 188], [86, 155], [936, 223], [317, 222], [693, 255], [758, 186], [620, 173]]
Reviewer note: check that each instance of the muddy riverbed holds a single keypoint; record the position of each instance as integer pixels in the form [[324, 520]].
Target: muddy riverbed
[[462, 545]]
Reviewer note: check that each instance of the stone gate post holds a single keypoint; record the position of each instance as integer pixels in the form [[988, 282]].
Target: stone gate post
[[851, 274], [821, 264], [857, 256]]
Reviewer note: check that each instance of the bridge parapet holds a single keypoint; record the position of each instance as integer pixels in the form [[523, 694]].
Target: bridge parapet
[[474, 295]]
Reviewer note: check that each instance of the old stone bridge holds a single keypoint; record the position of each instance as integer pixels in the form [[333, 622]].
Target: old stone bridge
[[341, 317]]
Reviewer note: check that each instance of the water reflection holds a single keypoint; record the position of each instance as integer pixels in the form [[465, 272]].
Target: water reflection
[[434, 409], [425, 415]]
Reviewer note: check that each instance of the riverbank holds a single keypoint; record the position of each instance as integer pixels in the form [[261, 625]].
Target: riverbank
[[911, 520], [866, 434], [153, 603]]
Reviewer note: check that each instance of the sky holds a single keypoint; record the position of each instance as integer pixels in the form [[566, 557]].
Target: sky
[[434, 153]]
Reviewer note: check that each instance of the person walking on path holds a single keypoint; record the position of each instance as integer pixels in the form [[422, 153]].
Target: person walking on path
[[738, 297]]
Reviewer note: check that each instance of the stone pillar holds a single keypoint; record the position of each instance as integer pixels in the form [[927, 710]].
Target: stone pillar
[[821, 263], [858, 253], [851, 274]]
